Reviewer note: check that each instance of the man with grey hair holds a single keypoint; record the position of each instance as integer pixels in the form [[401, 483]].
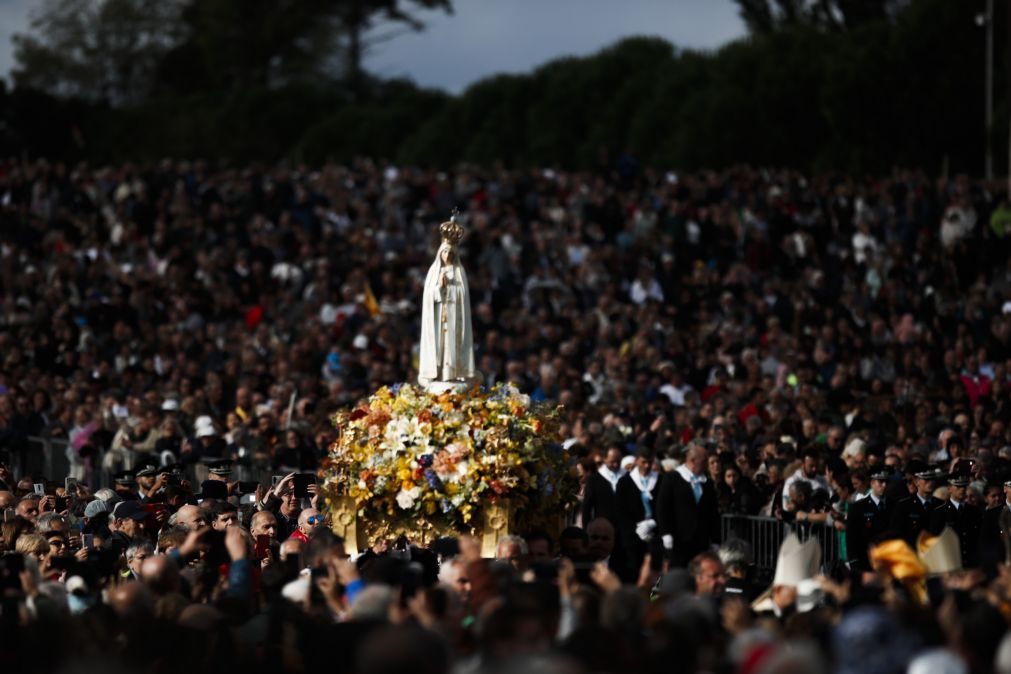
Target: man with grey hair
[[136, 553], [108, 495], [52, 523], [736, 555], [513, 549], [687, 512]]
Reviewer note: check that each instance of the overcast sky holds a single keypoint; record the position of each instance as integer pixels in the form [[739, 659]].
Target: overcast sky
[[485, 37]]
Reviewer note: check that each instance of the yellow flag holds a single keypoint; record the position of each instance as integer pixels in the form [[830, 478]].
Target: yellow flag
[[371, 305]]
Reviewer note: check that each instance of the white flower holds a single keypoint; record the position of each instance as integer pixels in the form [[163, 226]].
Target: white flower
[[461, 468], [406, 498]]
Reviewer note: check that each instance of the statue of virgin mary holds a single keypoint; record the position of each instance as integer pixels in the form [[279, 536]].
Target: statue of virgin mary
[[447, 343]]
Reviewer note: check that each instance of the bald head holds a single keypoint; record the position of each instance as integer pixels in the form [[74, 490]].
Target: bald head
[[191, 517], [132, 600], [309, 519], [161, 574], [7, 499]]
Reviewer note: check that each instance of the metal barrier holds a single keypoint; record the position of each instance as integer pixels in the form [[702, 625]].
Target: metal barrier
[[50, 457], [766, 534]]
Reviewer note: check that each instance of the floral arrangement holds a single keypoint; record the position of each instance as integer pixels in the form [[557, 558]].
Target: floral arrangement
[[411, 455]]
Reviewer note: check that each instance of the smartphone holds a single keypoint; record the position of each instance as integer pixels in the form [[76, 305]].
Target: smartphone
[[70, 485], [61, 503], [154, 508], [274, 479], [248, 487], [39, 488], [88, 541], [302, 482], [262, 547]]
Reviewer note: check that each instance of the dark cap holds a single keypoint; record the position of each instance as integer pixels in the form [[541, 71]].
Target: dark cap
[[882, 474], [129, 509], [215, 489], [147, 470], [931, 474], [958, 480], [125, 478], [220, 467]]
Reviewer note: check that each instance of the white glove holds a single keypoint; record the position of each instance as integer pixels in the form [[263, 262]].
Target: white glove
[[644, 530], [668, 542]]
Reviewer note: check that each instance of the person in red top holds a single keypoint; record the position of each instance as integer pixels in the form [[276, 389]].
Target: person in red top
[[308, 519], [975, 383]]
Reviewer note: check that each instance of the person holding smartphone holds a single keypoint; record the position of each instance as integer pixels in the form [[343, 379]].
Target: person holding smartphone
[[283, 502]]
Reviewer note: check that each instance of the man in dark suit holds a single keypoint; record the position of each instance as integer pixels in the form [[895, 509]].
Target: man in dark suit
[[688, 517], [636, 511], [963, 518], [599, 498], [995, 534], [911, 515], [867, 520]]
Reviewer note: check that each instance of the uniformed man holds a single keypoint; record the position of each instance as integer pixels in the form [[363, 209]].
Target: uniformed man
[[867, 521], [911, 515], [963, 518]]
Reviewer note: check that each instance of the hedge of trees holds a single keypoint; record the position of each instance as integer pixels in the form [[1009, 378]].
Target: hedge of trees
[[903, 86]]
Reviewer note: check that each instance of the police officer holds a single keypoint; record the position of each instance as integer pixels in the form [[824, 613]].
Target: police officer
[[911, 515], [965, 519], [867, 521]]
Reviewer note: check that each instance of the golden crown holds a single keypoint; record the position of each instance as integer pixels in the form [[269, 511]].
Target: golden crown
[[452, 232]]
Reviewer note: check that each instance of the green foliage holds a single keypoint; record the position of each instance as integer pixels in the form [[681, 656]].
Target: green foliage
[[864, 92]]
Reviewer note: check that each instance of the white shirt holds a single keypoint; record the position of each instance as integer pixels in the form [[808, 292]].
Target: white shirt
[[611, 476], [817, 482]]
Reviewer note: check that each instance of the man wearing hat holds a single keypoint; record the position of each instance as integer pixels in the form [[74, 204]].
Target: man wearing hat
[[912, 514], [963, 518], [208, 447], [867, 520], [126, 524], [125, 485], [150, 480]]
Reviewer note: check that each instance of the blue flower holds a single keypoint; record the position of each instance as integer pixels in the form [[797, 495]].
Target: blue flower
[[433, 480], [445, 505], [425, 460], [395, 388]]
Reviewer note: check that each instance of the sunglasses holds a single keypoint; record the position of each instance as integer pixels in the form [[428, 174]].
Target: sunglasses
[[315, 519]]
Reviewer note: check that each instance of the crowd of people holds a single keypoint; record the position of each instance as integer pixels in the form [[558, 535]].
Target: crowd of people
[[828, 352]]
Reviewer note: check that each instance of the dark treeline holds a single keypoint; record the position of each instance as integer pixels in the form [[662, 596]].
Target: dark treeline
[[903, 87]]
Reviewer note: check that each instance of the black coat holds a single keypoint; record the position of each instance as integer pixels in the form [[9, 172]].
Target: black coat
[[910, 516], [631, 511], [995, 538], [866, 523], [599, 500], [693, 526], [965, 521]]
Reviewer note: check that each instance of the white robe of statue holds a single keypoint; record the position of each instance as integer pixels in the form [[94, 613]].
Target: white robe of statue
[[447, 342]]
